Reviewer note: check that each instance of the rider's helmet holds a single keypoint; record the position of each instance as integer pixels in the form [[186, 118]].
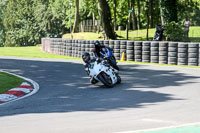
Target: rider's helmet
[[86, 57], [97, 43]]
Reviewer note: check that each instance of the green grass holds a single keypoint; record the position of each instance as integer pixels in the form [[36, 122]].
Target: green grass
[[8, 81], [32, 51], [194, 35]]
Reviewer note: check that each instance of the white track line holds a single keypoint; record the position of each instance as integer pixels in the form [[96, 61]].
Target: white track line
[[161, 128]]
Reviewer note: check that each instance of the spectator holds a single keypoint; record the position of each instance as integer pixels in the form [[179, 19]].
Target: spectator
[[187, 26]]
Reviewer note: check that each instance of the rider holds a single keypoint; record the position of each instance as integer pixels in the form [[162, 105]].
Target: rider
[[99, 49], [88, 63]]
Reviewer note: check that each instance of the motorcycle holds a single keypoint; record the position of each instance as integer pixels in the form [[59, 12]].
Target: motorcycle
[[108, 55], [101, 71]]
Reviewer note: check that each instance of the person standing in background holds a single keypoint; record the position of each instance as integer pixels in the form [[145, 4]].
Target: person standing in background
[[187, 26]]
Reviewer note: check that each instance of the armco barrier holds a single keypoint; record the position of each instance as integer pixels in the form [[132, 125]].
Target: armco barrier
[[173, 53]]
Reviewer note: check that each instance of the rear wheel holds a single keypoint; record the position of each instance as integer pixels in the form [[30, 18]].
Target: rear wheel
[[105, 79]]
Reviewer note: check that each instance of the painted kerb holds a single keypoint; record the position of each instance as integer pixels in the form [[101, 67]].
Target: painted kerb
[[173, 53]]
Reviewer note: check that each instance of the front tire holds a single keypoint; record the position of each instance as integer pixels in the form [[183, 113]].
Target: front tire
[[105, 79], [119, 80]]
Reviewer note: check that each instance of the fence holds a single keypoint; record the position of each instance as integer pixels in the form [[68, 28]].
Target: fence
[[173, 53]]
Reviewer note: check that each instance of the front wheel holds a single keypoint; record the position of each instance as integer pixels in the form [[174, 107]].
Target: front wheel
[[119, 80], [105, 79]]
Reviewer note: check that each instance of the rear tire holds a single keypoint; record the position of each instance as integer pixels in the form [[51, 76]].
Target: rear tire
[[105, 79]]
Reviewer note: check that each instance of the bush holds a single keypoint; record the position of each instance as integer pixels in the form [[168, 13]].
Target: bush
[[174, 32]]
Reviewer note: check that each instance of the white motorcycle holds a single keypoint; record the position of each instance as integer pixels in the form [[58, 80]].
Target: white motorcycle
[[102, 71]]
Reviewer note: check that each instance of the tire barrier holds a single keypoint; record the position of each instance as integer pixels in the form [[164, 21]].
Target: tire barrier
[[193, 53], [123, 48], [154, 52], [163, 52], [138, 51], [130, 51], [117, 49], [199, 55], [182, 54], [146, 52], [173, 53]]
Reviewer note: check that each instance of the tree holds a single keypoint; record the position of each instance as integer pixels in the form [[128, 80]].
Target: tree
[[76, 22], [115, 13], [168, 10], [104, 13], [19, 23], [2, 28]]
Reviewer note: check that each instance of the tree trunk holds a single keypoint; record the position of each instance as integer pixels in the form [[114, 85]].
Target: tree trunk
[[93, 22], [76, 22], [133, 17], [139, 23], [115, 13], [151, 13], [147, 12], [104, 12]]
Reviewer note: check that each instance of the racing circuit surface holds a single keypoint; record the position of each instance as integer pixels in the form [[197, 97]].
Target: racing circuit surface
[[150, 96]]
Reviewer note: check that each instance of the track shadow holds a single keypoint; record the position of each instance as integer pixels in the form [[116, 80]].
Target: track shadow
[[65, 87]]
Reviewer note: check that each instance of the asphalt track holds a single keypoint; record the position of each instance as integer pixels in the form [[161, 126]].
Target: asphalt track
[[150, 96]]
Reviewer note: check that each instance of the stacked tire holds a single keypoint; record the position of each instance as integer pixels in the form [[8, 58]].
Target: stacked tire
[[163, 53], [60, 47], [51, 46], [111, 44], [82, 47], [79, 48], [87, 46], [63, 51], [199, 54], [172, 53], [130, 51], [69, 47], [76, 53], [117, 49], [154, 52], [182, 54], [123, 49], [193, 54], [146, 52], [106, 43], [55, 46], [138, 51], [91, 47]]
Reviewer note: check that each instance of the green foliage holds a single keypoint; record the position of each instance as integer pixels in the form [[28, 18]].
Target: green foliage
[[169, 10], [174, 31], [19, 23], [25, 22], [2, 28]]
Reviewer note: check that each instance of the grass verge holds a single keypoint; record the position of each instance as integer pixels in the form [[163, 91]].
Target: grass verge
[[8, 81], [194, 35], [32, 51]]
